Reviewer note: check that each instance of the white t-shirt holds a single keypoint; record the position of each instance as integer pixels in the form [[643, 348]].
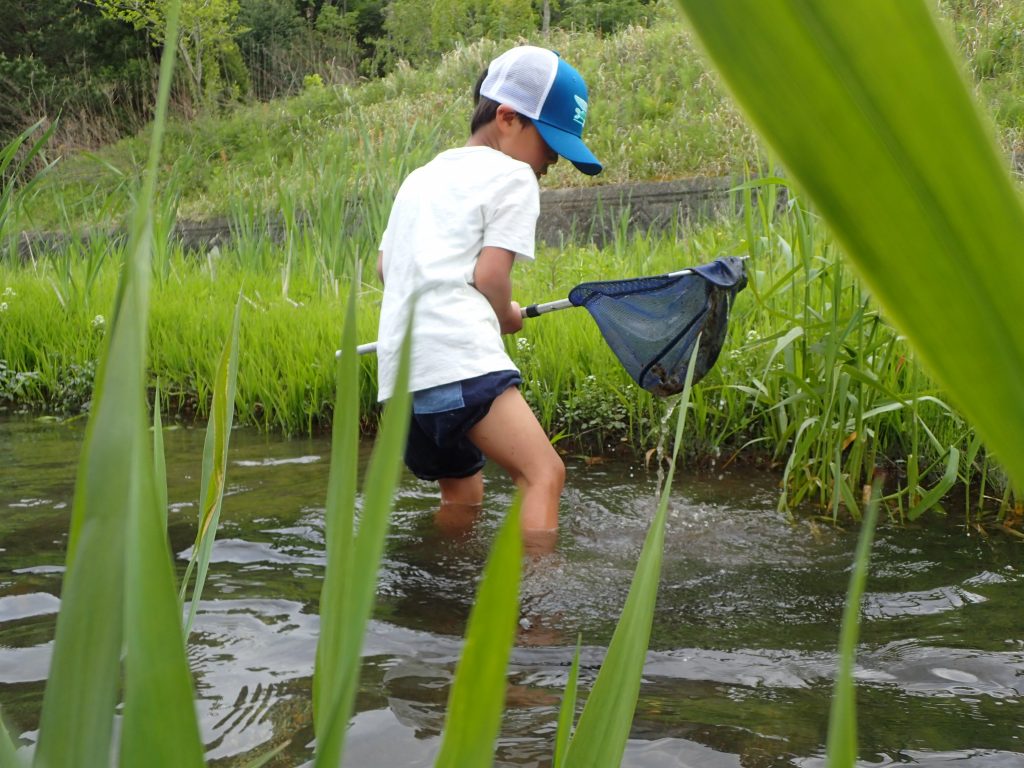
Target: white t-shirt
[[443, 215]]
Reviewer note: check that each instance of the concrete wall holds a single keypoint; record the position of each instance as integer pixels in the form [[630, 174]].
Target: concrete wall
[[595, 214], [589, 214]]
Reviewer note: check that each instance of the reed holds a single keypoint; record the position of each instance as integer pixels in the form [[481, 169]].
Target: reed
[[17, 175], [599, 737], [476, 701], [118, 591], [860, 133], [813, 378], [841, 743], [353, 554], [214, 476]]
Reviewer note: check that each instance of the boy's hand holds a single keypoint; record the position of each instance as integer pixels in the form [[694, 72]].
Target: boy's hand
[[512, 322]]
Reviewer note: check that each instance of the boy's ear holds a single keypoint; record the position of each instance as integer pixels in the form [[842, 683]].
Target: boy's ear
[[505, 116]]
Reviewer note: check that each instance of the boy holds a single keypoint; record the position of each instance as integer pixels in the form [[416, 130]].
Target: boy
[[456, 227]]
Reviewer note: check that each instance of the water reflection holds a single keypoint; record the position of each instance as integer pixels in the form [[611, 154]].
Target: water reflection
[[742, 651]]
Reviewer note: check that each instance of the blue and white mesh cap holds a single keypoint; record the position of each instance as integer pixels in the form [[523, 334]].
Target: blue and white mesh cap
[[540, 85]]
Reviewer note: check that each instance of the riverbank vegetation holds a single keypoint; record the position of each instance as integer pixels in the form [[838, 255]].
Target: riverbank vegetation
[[327, 142], [812, 381], [810, 372]]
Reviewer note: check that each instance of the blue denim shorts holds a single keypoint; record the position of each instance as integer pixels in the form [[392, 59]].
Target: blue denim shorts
[[441, 416]]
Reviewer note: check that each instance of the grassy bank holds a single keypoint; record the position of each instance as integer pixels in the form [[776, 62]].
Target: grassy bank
[[657, 112], [652, 117], [811, 378]]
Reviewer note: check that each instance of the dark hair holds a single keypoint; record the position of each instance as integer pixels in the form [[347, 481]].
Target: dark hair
[[486, 109]]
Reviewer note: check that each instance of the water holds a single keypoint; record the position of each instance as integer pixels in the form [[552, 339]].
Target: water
[[742, 649]]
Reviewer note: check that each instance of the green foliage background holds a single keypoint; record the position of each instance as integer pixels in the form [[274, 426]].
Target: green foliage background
[[67, 57], [811, 357]]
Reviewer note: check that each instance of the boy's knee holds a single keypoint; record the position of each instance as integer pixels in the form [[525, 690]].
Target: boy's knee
[[552, 475], [559, 469]]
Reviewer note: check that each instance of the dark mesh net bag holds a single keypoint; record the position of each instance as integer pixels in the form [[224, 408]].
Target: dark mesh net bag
[[652, 323]]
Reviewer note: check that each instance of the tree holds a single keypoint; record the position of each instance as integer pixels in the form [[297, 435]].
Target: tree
[[418, 32], [63, 56], [206, 39], [602, 15]]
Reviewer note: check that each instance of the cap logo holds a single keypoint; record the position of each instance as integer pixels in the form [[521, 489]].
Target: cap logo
[[581, 112]]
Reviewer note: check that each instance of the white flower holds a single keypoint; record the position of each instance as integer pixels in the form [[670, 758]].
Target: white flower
[[3, 306], [9, 292], [98, 321]]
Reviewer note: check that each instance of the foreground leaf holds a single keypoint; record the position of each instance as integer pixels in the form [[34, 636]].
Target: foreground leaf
[[160, 726], [350, 582], [872, 117], [339, 530], [8, 754], [601, 734], [215, 468], [82, 687], [477, 697], [842, 723], [567, 712], [113, 504]]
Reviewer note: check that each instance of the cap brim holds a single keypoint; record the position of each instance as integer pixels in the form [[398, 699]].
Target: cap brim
[[570, 147]]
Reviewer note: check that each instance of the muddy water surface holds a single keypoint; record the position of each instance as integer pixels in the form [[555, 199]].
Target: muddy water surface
[[742, 650]]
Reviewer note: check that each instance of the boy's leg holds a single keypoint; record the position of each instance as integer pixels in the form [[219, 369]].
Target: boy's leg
[[461, 501], [468, 491], [511, 436]]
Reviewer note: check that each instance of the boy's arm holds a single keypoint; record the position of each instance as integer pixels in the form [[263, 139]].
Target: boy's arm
[[492, 276], [380, 265]]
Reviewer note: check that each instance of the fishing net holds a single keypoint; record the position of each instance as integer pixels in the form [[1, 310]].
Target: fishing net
[[652, 323]]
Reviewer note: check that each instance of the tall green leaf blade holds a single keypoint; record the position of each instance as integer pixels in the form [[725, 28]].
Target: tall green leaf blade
[[82, 687], [870, 114], [842, 724], [603, 729], [337, 693], [11, 178], [81, 693], [339, 529], [477, 696], [567, 712], [945, 484], [601, 734], [160, 726], [8, 754], [159, 459], [215, 467]]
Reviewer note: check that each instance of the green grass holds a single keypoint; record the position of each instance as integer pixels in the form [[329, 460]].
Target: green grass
[[813, 379], [653, 116], [317, 147]]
